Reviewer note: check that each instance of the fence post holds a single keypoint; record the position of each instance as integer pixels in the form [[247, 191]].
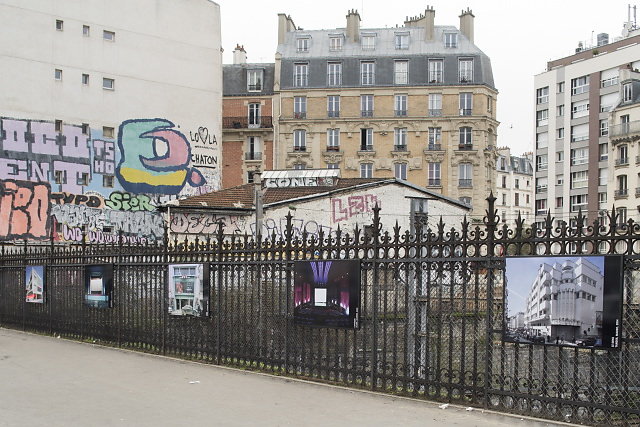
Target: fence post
[[24, 270], [165, 288], [220, 275], [491, 221], [289, 248], [119, 306], [47, 286], [374, 292]]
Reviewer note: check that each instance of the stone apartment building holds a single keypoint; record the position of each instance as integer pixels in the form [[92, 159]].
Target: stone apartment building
[[415, 102], [515, 191]]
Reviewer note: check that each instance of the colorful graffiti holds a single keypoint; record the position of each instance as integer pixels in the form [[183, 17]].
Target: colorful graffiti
[[24, 210], [343, 208], [154, 158], [129, 202]]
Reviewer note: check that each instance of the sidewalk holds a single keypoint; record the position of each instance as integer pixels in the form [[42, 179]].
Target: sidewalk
[[46, 381]]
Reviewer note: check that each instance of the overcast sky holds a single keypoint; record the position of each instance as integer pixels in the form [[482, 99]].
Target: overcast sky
[[519, 37]]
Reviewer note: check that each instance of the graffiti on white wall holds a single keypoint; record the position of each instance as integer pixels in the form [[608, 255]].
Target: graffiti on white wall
[[347, 207]]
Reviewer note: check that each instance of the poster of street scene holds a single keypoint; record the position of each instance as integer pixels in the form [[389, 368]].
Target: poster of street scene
[[327, 293], [188, 290], [98, 285], [564, 300], [34, 283]]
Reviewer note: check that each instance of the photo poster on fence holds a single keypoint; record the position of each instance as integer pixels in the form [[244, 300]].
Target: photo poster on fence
[[327, 293], [189, 290], [34, 283], [564, 300], [98, 285]]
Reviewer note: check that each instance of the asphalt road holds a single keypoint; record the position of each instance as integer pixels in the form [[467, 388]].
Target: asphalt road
[[46, 381]]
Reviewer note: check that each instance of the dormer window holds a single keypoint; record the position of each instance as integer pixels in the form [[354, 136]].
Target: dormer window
[[465, 69], [451, 40], [626, 92], [402, 41], [335, 43], [368, 41], [302, 44], [254, 80]]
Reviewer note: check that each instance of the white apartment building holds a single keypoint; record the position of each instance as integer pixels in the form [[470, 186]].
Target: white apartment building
[[514, 182], [573, 100], [565, 300], [116, 105]]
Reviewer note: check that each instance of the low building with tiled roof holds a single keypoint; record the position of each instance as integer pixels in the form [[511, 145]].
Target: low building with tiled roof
[[317, 200]]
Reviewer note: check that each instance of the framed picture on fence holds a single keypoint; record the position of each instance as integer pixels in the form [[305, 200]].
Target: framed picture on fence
[[98, 285], [189, 290], [564, 300], [34, 283], [327, 293]]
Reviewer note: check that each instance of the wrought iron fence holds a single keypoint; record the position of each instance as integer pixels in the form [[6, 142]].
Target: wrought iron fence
[[431, 321]]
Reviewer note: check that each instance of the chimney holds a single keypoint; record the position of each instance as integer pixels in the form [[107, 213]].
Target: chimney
[[429, 19], [466, 24], [239, 55], [353, 25], [285, 24]]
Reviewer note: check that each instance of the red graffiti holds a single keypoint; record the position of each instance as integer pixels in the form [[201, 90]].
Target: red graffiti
[[24, 209], [347, 207]]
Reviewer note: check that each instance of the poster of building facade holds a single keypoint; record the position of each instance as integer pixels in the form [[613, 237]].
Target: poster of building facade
[[327, 293], [34, 283], [188, 290], [564, 300], [98, 285]]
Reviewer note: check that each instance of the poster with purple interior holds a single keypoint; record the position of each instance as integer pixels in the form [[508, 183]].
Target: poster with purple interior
[[326, 293]]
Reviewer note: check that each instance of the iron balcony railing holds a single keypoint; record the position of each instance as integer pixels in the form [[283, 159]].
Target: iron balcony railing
[[435, 76], [435, 112], [366, 148], [400, 113], [300, 148], [333, 148], [300, 115], [466, 183], [367, 113], [435, 182], [333, 113], [400, 147], [465, 147], [245, 123], [621, 192], [624, 129], [622, 161], [434, 147], [253, 155], [465, 111], [255, 88]]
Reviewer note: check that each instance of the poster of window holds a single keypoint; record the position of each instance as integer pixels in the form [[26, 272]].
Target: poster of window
[[564, 300], [327, 293], [188, 290], [98, 285], [34, 283]]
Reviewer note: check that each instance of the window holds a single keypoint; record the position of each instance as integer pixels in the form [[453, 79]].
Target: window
[[560, 133], [333, 166], [299, 166], [626, 92], [58, 125], [579, 85], [83, 179], [367, 73], [302, 44], [250, 177], [59, 24], [516, 201], [580, 132], [559, 179], [109, 35], [435, 138], [333, 139], [254, 115], [366, 139], [560, 87], [466, 99], [466, 200], [465, 137], [254, 80], [465, 175], [400, 139], [85, 128], [608, 101], [541, 206], [299, 107], [517, 183], [366, 170], [579, 179], [465, 67], [451, 40], [603, 151], [504, 185], [578, 202], [333, 105], [604, 127], [334, 73], [435, 70], [85, 79], [402, 41], [335, 43], [86, 30], [400, 171], [622, 216], [435, 104], [60, 177], [579, 156], [542, 117], [541, 162], [299, 140], [559, 156], [624, 122], [489, 103], [603, 176], [504, 199], [107, 132], [621, 185], [108, 84], [366, 105], [368, 42], [434, 169], [542, 95], [253, 148], [609, 81], [107, 181], [300, 75], [560, 110], [401, 72], [623, 155], [579, 109], [400, 108], [602, 200], [57, 74], [559, 202]]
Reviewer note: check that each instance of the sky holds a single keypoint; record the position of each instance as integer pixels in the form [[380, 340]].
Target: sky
[[519, 37]]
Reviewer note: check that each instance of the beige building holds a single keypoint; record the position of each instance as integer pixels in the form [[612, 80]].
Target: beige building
[[415, 102], [515, 187]]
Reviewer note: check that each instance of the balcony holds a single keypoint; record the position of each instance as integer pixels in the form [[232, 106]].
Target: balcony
[[255, 88], [435, 182], [333, 148], [621, 193], [401, 147], [465, 111], [434, 147], [366, 148], [333, 113], [465, 147], [541, 189], [465, 183], [622, 161], [435, 76], [542, 166], [263, 122], [400, 113], [366, 113], [253, 155], [466, 78], [435, 112], [300, 148], [625, 131]]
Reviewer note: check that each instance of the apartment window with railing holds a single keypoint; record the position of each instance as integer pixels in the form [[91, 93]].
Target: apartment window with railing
[[366, 105], [560, 179], [504, 184], [465, 70], [450, 40], [624, 124], [608, 101], [335, 43], [402, 41], [560, 110], [623, 155], [400, 171], [542, 118], [465, 175], [435, 70], [302, 44], [560, 133], [603, 176], [435, 138], [254, 115], [627, 94], [435, 104], [254, 80], [433, 170], [366, 139], [465, 141], [400, 105], [542, 162], [253, 148], [559, 156], [579, 85], [367, 73], [579, 179], [559, 202], [466, 101], [333, 139], [368, 42], [610, 81], [300, 140], [603, 151], [578, 202], [604, 127], [541, 206], [541, 184], [542, 95], [366, 170], [602, 200], [334, 73], [301, 75], [560, 87], [401, 72], [621, 185], [400, 139], [300, 107], [621, 216], [580, 132], [579, 156], [579, 109], [333, 105]]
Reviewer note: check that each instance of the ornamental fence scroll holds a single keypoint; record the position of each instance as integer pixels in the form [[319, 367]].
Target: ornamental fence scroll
[[431, 321]]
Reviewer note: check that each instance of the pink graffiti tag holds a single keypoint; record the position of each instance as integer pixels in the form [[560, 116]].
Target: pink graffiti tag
[[24, 210], [348, 207]]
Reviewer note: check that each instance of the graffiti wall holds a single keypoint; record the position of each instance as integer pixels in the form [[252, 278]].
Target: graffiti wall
[[72, 181]]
